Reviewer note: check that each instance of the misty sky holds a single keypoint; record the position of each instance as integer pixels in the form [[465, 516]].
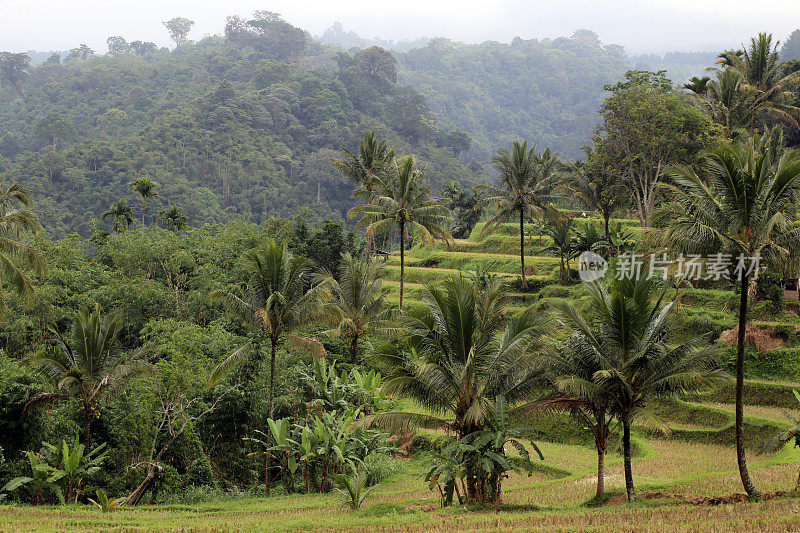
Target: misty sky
[[640, 26]]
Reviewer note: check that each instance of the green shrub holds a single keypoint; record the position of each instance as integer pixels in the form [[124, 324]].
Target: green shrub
[[379, 466], [430, 442], [199, 472]]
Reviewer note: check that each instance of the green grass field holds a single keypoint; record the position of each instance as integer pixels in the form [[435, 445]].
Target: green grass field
[[696, 458]]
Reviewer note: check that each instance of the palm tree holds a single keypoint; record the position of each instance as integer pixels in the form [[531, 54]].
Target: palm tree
[[90, 368], [121, 213], [146, 189], [402, 200], [526, 180], [595, 188], [457, 355], [16, 220], [741, 203], [357, 306], [625, 332], [277, 299], [760, 66], [729, 101], [373, 156], [173, 218], [560, 230], [571, 367], [697, 85]]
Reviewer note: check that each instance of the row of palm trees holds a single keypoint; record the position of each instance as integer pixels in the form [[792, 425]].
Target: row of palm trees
[[172, 217]]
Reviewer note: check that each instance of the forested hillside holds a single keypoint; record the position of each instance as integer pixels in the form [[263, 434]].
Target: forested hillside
[[240, 125], [547, 91]]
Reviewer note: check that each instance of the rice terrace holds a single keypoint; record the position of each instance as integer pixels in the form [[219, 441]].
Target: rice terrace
[[261, 275]]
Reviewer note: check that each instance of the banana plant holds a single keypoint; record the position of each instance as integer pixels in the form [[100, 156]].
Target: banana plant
[[307, 449], [104, 503], [279, 443], [76, 464], [44, 478]]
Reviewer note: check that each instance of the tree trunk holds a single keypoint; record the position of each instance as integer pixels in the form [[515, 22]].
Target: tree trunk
[[606, 218], [402, 261], [626, 450], [522, 248], [751, 490], [87, 427], [153, 471], [601, 481], [144, 208], [268, 460], [354, 350]]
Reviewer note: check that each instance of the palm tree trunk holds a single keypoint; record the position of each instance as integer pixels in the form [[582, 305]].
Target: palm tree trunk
[[522, 248], [626, 450], [751, 490], [601, 481], [354, 350], [268, 460], [87, 427], [402, 261]]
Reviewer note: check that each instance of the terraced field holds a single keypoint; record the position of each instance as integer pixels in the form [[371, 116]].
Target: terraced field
[[694, 458]]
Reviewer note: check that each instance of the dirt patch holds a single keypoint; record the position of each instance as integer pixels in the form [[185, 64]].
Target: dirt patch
[[403, 445], [423, 508], [760, 338], [430, 263], [693, 499]]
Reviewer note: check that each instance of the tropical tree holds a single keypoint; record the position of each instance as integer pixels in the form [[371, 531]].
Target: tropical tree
[[146, 189], [373, 156], [560, 230], [729, 101], [742, 202], [173, 218], [402, 200], [13, 70], [697, 85], [526, 182], [88, 369], [278, 299], [760, 66], [16, 220], [595, 187], [626, 332], [121, 213], [457, 355], [357, 307]]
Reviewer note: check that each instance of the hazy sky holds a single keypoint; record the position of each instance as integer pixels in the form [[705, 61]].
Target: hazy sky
[[640, 26]]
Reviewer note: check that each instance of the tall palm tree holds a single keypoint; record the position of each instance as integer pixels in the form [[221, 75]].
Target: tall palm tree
[[16, 220], [357, 306], [625, 332], [373, 156], [278, 299], [88, 369], [760, 66], [595, 188], [526, 181], [146, 189], [742, 202], [122, 215], [571, 368], [457, 354], [173, 218], [402, 201], [730, 101], [560, 230]]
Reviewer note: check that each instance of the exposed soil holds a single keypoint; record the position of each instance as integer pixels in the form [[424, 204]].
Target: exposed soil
[[760, 338]]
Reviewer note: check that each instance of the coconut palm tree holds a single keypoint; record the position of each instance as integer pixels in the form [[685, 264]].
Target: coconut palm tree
[[730, 101], [357, 306], [121, 213], [146, 189], [741, 202], [760, 67], [278, 299], [560, 231], [571, 368], [697, 85], [402, 201], [526, 181], [173, 218], [457, 354], [16, 220], [373, 156], [625, 332], [90, 368]]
